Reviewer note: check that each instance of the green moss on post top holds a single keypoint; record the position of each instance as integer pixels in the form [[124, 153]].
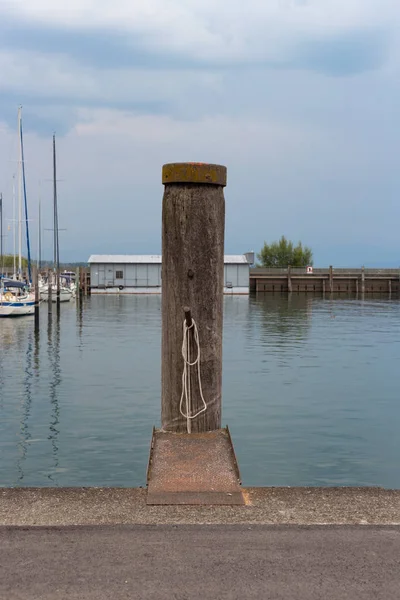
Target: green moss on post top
[[191, 172]]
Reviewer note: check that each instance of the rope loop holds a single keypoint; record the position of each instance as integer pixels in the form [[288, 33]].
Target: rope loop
[[186, 385]]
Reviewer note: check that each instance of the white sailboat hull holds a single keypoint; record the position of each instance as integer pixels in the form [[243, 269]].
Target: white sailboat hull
[[18, 308], [65, 294]]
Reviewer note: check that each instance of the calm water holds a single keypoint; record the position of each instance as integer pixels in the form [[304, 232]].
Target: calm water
[[311, 391]]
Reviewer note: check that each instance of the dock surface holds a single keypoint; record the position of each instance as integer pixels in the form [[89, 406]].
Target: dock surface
[[271, 506]]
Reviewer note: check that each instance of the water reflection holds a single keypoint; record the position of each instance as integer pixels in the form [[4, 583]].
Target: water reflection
[[53, 349], [282, 318], [79, 319], [25, 407], [36, 353]]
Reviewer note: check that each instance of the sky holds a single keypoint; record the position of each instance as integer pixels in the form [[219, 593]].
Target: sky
[[300, 99]]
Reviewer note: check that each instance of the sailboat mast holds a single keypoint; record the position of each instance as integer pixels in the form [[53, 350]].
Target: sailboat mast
[[28, 243], [39, 258], [1, 229], [13, 226], [56, 257], [19, 197]]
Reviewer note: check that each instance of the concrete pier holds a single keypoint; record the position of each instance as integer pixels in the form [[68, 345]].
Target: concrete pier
[[112, 506], [285, 543]]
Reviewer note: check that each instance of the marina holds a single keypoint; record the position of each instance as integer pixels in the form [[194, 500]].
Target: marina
[[180, 416], [309, 391]]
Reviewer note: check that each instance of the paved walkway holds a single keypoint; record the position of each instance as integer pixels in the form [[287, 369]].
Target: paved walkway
[[214, 562]]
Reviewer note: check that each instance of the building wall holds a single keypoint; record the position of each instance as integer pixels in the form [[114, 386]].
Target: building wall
[[125, 275], [236, 276], [146, 277]]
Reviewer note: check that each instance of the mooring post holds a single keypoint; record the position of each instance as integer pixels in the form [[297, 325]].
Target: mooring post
[[331, 279], [289, 280], [49, 289], [77, 284], [363, 280], [390, 287], [357, 286], [58, 286], [193, 224], [37, 295]]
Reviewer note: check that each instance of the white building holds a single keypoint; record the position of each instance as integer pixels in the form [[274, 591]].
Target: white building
[[141, 274]]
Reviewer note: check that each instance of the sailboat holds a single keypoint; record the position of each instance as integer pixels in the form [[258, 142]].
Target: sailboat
[[16, 298], [60, 292]]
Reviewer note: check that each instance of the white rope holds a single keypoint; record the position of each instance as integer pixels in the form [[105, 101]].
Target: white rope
[[186, 386]]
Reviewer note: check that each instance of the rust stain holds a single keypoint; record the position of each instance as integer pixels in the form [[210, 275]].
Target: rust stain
[[246, 498], [191, 172]]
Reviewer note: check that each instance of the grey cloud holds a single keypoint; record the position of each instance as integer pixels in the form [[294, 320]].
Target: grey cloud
[[344, 55], [101, 48], [46, 112]]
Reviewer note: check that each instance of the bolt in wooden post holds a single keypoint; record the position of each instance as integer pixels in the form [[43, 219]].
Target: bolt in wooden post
[[193, 224]]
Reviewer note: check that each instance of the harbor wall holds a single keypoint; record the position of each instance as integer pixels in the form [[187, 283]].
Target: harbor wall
[[328, 280]]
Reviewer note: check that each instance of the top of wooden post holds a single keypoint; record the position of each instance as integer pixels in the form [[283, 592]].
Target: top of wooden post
[[191, 172]]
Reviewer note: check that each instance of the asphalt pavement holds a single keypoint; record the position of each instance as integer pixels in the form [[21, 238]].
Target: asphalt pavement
[[185, 562]]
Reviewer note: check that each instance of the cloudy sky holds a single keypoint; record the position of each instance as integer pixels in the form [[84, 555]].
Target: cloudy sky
[[300, 99]]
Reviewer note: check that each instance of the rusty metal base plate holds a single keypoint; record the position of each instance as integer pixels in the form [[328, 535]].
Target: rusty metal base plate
[[196, 468]]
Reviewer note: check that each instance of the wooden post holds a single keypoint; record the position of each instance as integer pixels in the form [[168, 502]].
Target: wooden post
[[390, 287], [37, 296], [77, 284], [58, 286], [49, 289], [193, 223], [323, 287], [289, 280], [357, 286], [363, 280], [331, 279]]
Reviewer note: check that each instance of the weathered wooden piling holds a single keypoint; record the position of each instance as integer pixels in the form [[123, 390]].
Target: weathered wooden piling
[[363, 280], [85, 282], [77, 284], [193, 224], [289, 280], [58, 286], [49, 289], [37, 295], [192, 460], [331, 279]]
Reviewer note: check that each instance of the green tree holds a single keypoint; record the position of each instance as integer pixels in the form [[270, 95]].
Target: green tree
[[8, 260], [284, 253]]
